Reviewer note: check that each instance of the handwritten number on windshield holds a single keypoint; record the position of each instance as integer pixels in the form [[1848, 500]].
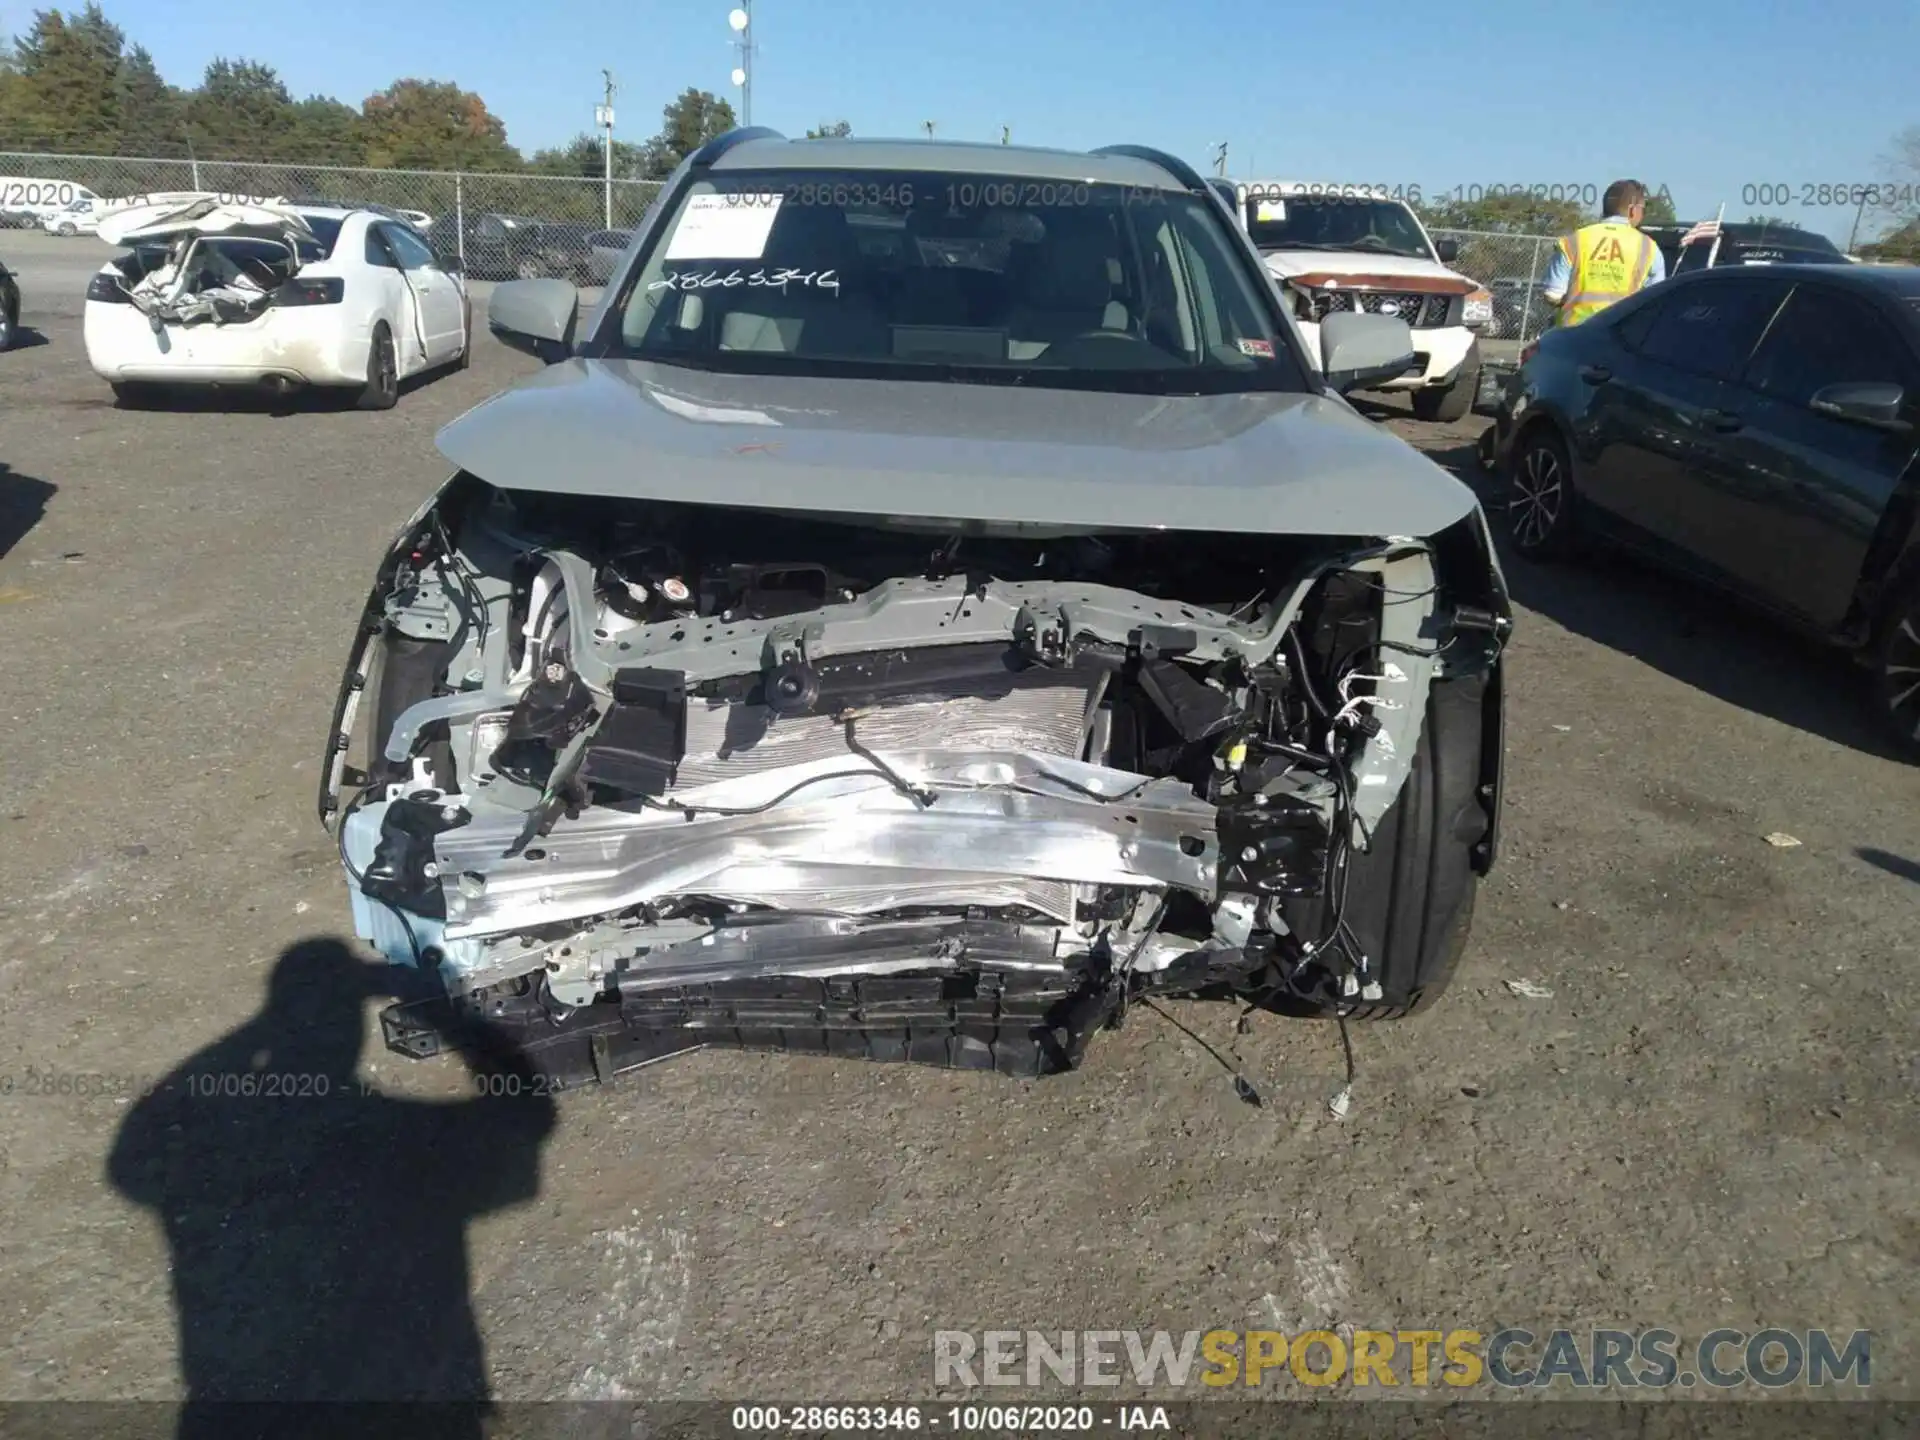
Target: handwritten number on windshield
[[756, 279]]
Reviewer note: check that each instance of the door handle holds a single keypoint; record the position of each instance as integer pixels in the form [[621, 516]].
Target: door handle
[[1724, 421], [1595, 374]]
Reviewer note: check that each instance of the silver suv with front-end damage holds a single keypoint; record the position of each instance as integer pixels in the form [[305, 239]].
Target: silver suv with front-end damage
[[933, 600]]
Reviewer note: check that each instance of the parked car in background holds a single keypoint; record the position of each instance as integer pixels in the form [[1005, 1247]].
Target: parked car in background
[[604, 249], [559, 250], [284, 296], [1336, 249], [19, 219], [9, 307], [1055, 658], [1755, 428], [1520, 308], [39, 196], [79, 218], [489, 244], [518, 247], [1745, 244]]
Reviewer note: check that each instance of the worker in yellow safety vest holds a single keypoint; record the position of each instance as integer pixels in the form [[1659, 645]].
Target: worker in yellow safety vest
[[1607, 260]]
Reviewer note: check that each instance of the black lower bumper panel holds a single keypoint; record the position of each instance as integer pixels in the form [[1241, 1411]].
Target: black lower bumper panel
[[1015, 1022]]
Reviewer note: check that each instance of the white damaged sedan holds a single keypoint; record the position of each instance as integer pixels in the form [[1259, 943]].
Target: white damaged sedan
[[221, 290]]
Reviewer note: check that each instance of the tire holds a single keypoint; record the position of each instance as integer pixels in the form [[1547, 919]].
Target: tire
[[528, 269], [1896, 670], [1410, 896], [1447, 403], [9, 327], [65, 228], [382, 390], [1542, 506]]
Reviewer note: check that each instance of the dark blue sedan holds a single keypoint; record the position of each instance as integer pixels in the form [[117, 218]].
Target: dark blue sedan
[[1755, 427]]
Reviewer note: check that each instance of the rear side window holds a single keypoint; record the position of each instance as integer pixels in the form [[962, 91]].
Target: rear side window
[[377, 252], [1709, 329], [1825, 338], [326, 232], [412, 250], [1631, 327]]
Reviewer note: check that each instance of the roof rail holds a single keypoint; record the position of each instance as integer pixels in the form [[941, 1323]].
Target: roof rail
[[1179, 169], [719, 145]]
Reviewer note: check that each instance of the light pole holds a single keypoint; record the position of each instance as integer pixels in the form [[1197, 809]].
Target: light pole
[[740, 19], [603, 117]]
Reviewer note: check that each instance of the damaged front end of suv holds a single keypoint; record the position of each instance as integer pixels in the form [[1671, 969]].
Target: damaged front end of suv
[[878, 707], [649, 776]]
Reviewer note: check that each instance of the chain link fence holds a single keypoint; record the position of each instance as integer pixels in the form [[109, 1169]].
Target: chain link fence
[[1514, 269], [504, 225], [501, 225]]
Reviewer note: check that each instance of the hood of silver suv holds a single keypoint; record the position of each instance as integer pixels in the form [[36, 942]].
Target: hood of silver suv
[[1271, 463]]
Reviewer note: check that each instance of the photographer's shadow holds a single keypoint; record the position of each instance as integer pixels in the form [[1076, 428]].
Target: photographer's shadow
[[318, 1228]]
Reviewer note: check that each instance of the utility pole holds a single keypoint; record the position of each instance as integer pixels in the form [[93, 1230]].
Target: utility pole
[[1858, 211], [603, 117], [1220, 158], [740, 18], [1006, 134], [927, 125]]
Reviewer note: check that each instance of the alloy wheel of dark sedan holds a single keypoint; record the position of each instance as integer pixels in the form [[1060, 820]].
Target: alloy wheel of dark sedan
[[1899, 671], [1540, 497]]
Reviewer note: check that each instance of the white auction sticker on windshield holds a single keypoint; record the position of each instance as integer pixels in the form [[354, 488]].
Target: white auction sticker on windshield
[[724, 227], [1269, 210]]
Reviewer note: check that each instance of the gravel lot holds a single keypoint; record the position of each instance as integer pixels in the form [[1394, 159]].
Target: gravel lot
[[1710, 1121]]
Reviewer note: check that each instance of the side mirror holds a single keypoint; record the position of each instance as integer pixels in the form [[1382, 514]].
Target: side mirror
[[1448, 251], [1864, 402], [452, 264], [1358, 350], [536, 316]]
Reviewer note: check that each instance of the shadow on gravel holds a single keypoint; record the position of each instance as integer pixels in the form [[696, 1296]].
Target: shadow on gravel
[[23, 504], [1891, 863], [1683, 630], [25, 337], [318, 1227]]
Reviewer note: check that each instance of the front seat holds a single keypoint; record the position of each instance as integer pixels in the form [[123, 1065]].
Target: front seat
[[805, 319], [1068, 292]]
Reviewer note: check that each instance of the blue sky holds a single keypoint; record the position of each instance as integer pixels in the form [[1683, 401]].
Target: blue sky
[[1708, 97]]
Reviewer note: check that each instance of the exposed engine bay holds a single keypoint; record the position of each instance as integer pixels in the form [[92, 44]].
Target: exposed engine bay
[[647, 776]]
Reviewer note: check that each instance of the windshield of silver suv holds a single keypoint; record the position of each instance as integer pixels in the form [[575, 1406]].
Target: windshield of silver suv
[[981, 279], [1379, 227]]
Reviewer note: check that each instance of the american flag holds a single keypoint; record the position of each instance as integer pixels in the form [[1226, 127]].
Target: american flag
[[1705, 230]]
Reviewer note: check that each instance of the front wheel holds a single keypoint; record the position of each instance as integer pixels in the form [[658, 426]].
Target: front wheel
[[1449, 402], [1408, 898], [1896, 671], [382, 390], [1540, 496]]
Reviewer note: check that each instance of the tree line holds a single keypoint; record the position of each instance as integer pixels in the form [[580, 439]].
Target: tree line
[[73, 84]]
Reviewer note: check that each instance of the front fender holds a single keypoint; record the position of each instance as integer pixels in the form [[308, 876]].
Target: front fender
[[372, 621]]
